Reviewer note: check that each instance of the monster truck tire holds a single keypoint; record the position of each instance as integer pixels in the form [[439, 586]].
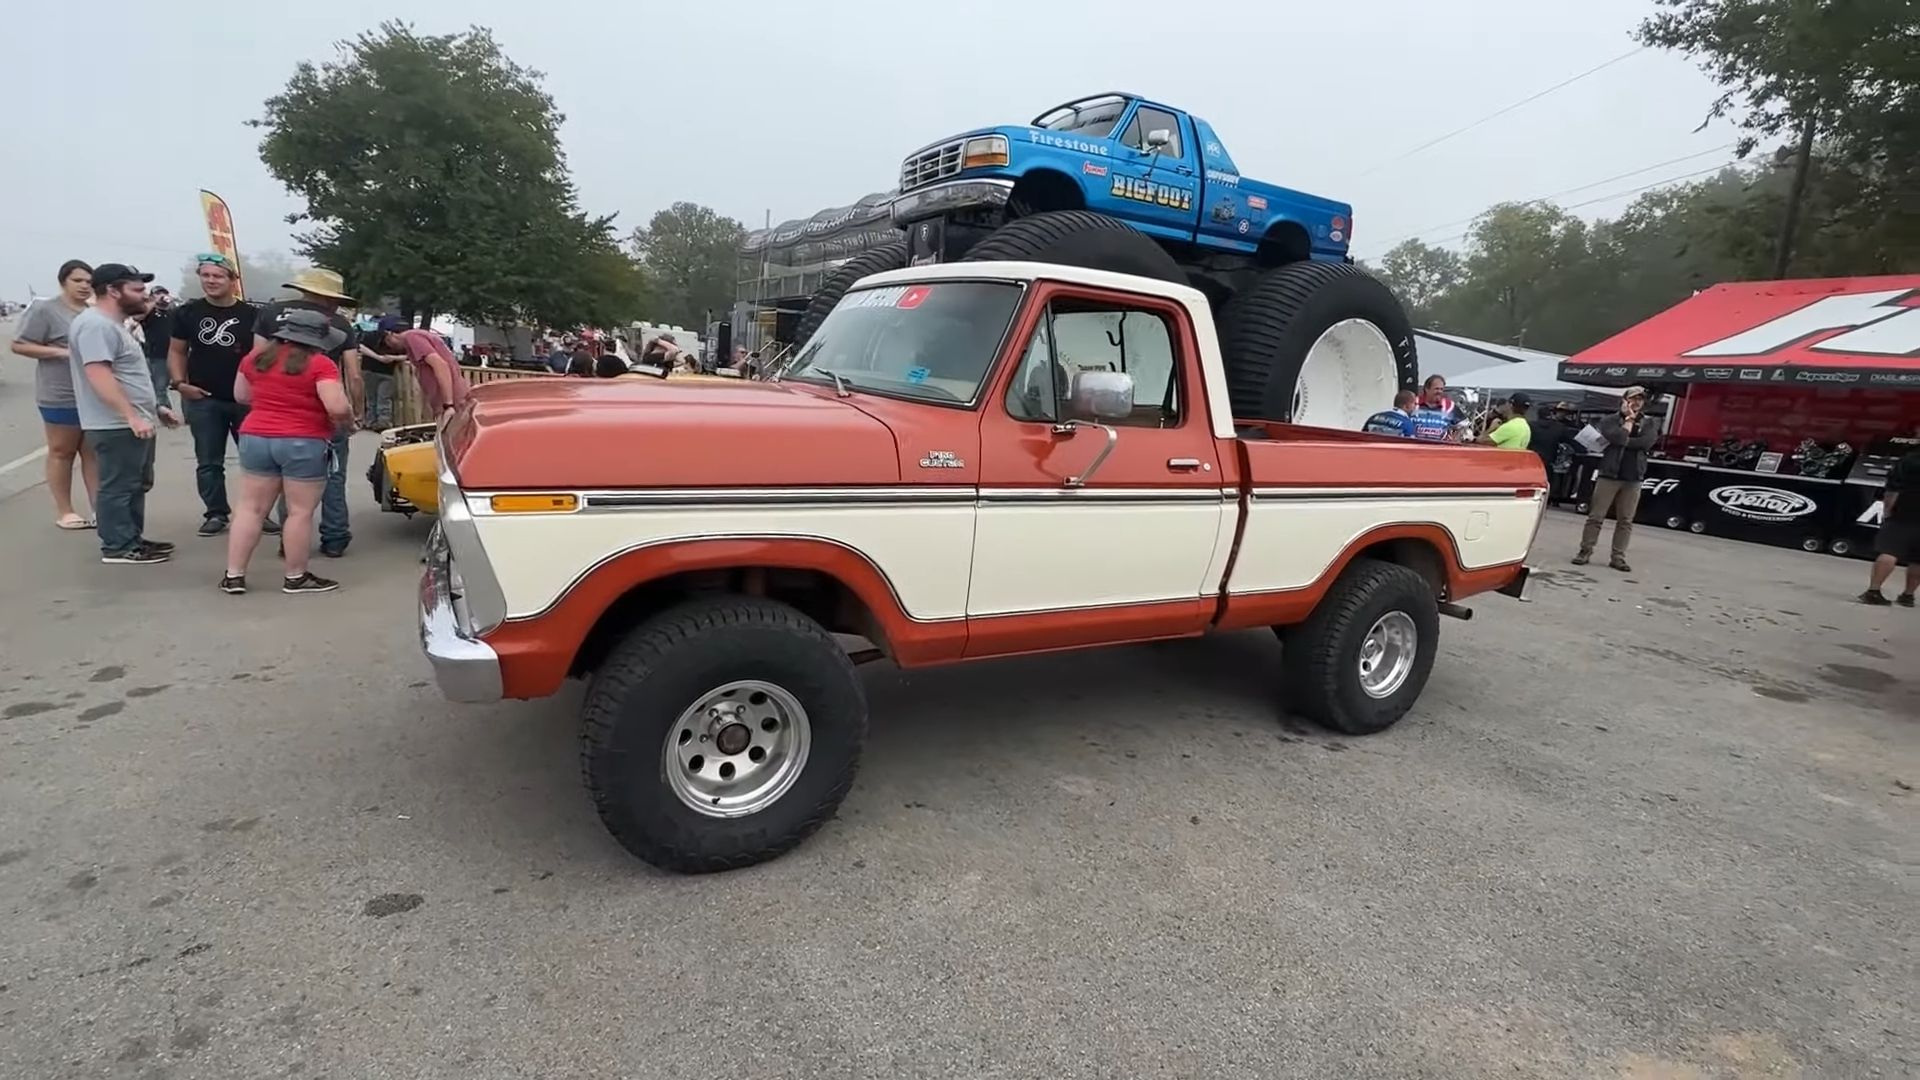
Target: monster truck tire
[[890, 257], [1326, 657], [647, 712], [1079, 238], [1268, 331]]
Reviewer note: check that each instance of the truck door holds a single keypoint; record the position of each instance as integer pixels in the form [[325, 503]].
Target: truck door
[[1096, 521], [1154, 186]]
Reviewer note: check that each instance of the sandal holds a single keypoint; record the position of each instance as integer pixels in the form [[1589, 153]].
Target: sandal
[[73, 523]]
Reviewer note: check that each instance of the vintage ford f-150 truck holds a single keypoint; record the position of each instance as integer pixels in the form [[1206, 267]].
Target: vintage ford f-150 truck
[[966, 461], [1119, 182]]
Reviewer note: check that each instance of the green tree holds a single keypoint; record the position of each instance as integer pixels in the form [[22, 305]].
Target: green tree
[[1420, 274], [1843, 75], [432, 172], [691, 254], [1536, 276]]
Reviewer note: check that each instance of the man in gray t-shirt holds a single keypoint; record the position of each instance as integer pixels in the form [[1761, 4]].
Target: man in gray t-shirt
[[119, 405], [47, 323]]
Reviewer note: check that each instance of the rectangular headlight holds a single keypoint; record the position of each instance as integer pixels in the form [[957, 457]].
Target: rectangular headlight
[[983, 151]]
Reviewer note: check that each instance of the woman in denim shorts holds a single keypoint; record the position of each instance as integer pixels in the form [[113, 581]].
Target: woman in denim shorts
[[296, 403]]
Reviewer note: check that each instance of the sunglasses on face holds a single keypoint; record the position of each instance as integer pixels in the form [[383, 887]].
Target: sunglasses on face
[[215, 259]]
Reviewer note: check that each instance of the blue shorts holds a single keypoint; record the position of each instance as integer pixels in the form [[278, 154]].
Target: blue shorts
[[290, 458], [62, 415]]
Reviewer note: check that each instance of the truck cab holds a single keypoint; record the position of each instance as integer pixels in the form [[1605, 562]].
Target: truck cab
[[1161, 170]]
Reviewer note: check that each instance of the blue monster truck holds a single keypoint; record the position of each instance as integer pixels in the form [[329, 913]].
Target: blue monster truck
[[1121, 183]]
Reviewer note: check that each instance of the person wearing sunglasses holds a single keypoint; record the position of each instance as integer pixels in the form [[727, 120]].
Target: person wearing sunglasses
[[209, 337]]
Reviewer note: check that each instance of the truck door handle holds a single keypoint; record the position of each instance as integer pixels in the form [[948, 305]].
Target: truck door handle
[[1183, 464]]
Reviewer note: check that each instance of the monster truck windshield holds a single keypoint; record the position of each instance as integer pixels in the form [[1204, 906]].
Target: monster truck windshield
[[1094, 117], [930, 342]]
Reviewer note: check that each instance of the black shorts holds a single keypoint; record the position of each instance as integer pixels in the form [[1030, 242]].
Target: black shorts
[[1900, 539]]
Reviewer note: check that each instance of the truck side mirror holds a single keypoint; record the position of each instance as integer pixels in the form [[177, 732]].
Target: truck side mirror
[[1101, 395], [1159, 139]]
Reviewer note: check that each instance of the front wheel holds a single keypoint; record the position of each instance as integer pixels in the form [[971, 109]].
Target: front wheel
[[1361, 659], [721, 733]]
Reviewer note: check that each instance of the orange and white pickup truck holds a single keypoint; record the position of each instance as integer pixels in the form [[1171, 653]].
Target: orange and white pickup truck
[[966, 461]]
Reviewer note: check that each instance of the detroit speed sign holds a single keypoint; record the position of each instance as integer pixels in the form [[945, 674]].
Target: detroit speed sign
[[1767, 505]]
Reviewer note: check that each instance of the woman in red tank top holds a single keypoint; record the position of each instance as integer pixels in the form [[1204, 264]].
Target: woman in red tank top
[[296, 402]]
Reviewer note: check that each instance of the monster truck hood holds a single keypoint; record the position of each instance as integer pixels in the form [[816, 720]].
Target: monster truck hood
[[641, 432]]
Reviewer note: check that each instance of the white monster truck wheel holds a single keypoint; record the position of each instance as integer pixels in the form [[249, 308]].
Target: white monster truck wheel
[[1316, 343], [1348, 372]]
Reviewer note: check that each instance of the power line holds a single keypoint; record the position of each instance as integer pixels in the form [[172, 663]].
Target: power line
[[1497, 113], [1557, 194], [1607, 198]]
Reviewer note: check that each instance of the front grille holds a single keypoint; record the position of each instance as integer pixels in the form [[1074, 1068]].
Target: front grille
[[936, 163]]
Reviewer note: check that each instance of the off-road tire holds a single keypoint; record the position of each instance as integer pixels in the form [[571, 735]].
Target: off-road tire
[[1267, 330], [664, 666], [878, 260], [1079, 238], [1322, 654]]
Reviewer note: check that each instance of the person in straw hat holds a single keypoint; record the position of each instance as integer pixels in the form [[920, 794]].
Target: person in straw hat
[[323, 291]]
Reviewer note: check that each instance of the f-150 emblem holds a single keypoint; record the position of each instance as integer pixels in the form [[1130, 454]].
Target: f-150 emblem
[[942, 459]]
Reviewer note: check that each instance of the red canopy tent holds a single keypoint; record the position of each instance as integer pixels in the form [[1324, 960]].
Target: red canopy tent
[[1830, 332]]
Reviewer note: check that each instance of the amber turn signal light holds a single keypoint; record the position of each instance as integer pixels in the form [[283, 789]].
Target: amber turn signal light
[[534, 504]]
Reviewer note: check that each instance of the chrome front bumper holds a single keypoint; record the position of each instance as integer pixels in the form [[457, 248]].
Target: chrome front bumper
[[466, 668], [937, 199]]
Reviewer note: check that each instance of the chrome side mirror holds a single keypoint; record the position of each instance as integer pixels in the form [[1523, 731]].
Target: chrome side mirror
[[1100, 395], [1159, 139]]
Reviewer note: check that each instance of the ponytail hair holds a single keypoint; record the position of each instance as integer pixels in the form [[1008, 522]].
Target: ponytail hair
[[292, 358]]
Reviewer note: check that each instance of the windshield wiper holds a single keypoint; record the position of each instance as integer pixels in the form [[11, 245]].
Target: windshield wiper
[[839, 383]]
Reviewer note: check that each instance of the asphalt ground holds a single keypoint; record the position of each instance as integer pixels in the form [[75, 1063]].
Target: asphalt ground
[[1652, 825]]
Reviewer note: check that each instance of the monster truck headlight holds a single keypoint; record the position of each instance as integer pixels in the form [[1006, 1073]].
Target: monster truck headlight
[[984, 151]]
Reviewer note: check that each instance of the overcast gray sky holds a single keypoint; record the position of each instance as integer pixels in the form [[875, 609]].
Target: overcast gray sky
[[121, 113]]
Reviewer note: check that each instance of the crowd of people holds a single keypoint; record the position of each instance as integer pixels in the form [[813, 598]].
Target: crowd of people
[[285, 383]]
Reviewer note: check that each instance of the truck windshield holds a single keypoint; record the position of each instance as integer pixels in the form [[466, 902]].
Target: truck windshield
[[931, 342], [1093, 117]]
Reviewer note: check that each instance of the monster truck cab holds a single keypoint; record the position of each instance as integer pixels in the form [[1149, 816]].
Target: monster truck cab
[[967, 461], [1163, 171]]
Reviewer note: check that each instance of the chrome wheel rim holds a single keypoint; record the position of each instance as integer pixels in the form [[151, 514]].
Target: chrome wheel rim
[[737, 749], [1386, 654], [1348, 373]]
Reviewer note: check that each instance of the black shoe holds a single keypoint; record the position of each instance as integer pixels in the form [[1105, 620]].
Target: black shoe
[[1875, 598], [1583, 558], [160, 546], [270, 527], [335, 551], [1620, 564], [213, 525], [308, 582], [136, 556], [233, 584], [1905, 599]]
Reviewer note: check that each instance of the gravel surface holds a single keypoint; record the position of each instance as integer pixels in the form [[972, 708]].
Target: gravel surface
[[1660, 824]]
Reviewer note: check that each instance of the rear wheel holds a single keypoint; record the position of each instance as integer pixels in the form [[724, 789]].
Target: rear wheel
[[1316, 343], [721, 733], [1361, 659], [1079, 238], [879, 260]]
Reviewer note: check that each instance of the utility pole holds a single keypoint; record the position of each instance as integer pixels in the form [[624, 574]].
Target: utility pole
[[1802, 165]]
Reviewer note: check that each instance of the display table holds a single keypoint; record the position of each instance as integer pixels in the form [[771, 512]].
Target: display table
[[1665, 493], [1768, 508], [1856, 524]]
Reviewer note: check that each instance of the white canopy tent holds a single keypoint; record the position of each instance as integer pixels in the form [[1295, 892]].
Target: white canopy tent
[[1538, 377]]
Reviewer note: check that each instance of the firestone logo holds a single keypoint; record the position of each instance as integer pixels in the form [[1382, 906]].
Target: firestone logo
[[1763, 504]]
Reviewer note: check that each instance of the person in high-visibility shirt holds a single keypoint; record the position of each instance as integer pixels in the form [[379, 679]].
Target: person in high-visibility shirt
[[1513, 431]]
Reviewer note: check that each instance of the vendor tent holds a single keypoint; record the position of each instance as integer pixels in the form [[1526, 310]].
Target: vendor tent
[[1835, 332], [1450, 355]]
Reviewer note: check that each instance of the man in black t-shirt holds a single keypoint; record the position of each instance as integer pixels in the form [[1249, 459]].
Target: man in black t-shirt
[[208, 338], [323, 291], [1899, 539]]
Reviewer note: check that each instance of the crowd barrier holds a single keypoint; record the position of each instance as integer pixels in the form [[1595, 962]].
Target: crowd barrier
[[410, 408]]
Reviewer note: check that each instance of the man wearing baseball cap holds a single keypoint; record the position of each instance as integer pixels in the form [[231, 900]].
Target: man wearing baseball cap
[[1622, 466], [119, 401]]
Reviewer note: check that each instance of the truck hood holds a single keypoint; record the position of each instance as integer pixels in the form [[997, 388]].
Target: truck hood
[[641, 432]]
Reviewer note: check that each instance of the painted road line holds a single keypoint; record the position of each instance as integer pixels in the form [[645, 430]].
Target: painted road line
[[23, 459]]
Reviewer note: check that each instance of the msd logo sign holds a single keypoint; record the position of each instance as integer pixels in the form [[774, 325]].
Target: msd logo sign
[[1767, 505]]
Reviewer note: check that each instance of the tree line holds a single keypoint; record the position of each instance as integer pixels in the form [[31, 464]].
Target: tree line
[[1826, 95]]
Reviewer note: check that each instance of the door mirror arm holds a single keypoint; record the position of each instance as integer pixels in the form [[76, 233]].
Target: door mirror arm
[[1066, 429]]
